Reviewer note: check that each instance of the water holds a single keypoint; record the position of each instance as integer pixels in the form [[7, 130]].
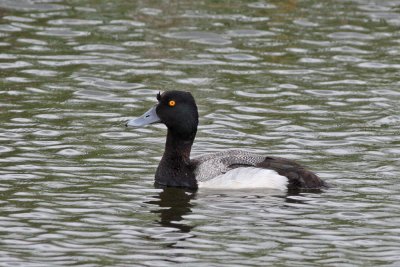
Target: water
[[312, 81]]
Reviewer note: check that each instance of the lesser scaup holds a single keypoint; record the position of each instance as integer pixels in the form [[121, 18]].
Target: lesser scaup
[[227, 169]]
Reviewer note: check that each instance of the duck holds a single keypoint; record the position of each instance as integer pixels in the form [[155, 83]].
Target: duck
[[228, 169]]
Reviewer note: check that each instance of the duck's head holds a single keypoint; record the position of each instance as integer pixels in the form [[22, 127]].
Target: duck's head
[[176, 109]]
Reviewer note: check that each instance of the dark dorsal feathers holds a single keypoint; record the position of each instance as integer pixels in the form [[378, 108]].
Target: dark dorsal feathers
[[299, 176]]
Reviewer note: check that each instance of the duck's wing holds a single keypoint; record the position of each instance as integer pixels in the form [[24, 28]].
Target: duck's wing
[[299, 176], [211, 165]]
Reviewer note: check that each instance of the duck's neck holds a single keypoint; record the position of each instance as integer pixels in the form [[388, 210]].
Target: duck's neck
[[175, 168], [178, 148]]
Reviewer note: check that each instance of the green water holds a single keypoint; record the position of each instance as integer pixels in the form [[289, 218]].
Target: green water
[[314, 81]]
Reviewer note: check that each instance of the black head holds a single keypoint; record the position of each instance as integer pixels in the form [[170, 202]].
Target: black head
[[178, 111]]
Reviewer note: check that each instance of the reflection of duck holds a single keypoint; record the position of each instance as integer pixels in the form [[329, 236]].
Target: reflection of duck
[[228, 169], [174, 203]]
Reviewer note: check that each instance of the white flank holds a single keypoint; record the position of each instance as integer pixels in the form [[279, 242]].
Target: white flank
[[247, 178]]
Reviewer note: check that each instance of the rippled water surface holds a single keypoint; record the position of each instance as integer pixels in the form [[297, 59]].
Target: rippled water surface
[[314, 81]]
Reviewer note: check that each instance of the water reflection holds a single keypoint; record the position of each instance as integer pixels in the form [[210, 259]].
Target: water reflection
[[174, 203]]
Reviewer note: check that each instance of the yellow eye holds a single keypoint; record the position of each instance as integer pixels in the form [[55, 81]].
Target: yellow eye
[[171, 103]]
